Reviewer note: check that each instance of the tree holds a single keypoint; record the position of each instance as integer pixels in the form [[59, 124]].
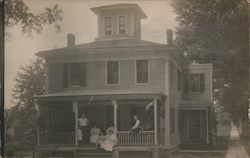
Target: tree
[[30, 81], [216, 31], [18, 13]]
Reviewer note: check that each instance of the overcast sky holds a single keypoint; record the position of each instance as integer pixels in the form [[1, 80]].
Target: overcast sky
[[81, 21]]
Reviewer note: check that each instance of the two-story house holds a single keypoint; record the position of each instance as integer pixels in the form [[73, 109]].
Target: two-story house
[[117, 76]]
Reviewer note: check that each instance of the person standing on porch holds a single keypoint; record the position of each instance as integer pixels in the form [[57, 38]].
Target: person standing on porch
[[136, 126], [83, 123]]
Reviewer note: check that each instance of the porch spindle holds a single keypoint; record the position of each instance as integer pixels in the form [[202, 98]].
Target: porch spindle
[[155, 121]]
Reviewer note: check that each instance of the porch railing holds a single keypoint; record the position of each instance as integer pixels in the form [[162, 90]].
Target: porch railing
[[124, 138], [141, 138], [58, 138]]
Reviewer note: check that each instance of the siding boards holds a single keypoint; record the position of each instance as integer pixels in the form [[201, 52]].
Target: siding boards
[[96, 76]]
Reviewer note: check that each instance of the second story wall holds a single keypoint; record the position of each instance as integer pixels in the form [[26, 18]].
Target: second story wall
[[96, 76], [198, 83]]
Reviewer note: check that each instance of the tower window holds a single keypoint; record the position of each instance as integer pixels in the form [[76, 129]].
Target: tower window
[[122, 25], [108, 25]]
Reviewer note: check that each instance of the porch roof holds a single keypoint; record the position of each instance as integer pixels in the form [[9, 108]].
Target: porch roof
[[101, 94], [194, 105]]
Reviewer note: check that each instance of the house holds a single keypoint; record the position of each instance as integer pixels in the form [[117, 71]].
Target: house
[[120, 75]]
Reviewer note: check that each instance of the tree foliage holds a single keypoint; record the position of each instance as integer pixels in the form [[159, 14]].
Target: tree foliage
[[30, 81], [18, 13], [216, 31]]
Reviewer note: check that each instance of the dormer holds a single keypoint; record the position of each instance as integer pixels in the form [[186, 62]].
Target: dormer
[[119, 21]]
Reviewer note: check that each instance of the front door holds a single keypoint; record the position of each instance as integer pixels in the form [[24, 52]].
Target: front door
[[193, 126], [194, 121]]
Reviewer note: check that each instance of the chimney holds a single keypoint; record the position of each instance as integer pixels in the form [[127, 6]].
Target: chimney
[[169, 37], [71, 39]]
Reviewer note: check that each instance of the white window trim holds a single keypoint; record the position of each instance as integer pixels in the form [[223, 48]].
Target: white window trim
[[106, 73], [189, 88], [136, 72], [126, 24], [112, 26]]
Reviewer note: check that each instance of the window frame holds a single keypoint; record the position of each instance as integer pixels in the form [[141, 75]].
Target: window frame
[[125, 24], [69, 85], [136, 72], [199, 83], [111, 25], [106, 73]]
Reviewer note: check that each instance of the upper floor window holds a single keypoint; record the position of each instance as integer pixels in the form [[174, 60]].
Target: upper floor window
[[142, 72], [108, 25], [112, 72], [74, 74], [196, 82], [122, 25]]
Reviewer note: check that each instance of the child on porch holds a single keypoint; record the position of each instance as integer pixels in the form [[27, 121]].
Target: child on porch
[[95, 134]]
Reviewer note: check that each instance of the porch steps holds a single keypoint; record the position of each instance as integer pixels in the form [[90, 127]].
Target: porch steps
[[196, 147], [92, 152]]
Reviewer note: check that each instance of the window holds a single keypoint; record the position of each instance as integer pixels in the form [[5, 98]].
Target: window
[[122, 25], [142, 71], [172, 117], [108, 25], [112, 72], [179, 80], [196, 83], [74, 74]]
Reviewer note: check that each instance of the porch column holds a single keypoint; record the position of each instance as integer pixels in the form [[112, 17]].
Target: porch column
[[38, 115], [75, 110], [115, 116], [207, 136], [155, 121]]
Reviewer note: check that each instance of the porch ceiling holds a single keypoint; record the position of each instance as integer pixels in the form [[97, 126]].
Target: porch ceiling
[[100, 94]]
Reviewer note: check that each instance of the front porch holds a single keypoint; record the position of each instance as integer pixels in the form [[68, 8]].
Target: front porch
[[55, 131]]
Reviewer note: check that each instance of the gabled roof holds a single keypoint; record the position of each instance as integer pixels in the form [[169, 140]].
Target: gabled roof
[[124, 6], [107, 44]]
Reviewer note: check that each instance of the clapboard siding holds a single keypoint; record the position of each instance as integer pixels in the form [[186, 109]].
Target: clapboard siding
[[96, 76]]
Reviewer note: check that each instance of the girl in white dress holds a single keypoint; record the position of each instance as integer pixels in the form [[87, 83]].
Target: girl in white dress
[[109, 142], [95, 134]]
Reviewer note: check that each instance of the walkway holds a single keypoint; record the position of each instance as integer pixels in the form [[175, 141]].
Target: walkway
[[236, 148]]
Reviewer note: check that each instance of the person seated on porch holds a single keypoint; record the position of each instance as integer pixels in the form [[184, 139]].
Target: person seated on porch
[[111, 127], [109, 141], [79, 134], [136, 127], [95, 134], [83, 123]]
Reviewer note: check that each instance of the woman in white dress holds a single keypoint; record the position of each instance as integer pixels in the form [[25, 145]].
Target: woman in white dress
[[95, 134], [109, 141]]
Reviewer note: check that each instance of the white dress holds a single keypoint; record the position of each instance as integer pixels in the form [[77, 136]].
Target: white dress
[[109, 142], [95, 133]]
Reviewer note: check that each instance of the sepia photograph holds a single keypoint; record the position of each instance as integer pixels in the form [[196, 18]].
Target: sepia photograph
[[126, 79]]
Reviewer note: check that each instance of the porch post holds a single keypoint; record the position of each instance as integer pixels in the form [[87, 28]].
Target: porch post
[[207, 126], [38, 115], [75, 109], [115, 117], [155, 121]]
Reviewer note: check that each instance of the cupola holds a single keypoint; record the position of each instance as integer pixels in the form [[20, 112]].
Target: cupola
[[119, 21]]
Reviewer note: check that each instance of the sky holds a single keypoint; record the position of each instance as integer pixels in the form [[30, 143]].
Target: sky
[[81, 21]]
